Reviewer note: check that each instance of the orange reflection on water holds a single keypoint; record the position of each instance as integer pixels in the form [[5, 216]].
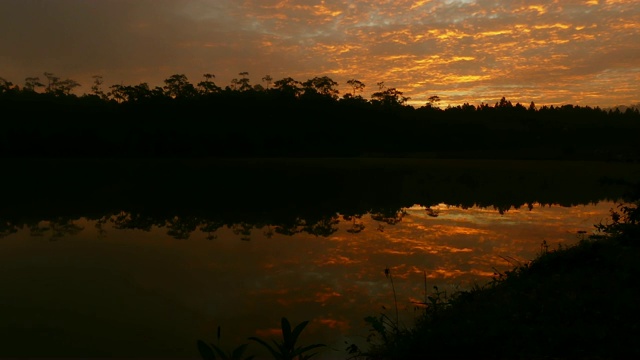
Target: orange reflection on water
[[334, 324], [178, 291]]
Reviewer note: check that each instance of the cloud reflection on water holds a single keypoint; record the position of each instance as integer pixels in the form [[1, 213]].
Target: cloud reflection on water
[[157, 286]]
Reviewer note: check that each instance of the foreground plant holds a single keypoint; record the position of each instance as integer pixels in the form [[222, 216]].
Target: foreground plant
[[286, 349], [575, 302], [209, 351]]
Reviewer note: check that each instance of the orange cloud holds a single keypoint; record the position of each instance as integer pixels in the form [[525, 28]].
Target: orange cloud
[[463, 51]]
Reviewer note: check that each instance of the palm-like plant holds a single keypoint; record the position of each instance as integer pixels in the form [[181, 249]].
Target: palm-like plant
[[209, 351], [286, 349]]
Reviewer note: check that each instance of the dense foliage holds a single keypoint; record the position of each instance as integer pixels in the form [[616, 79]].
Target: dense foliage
[[288, 196], [293, 118], [579, 302]]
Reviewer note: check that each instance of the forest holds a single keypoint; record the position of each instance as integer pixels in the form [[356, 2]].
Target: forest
[[295, 157], [291, 118]]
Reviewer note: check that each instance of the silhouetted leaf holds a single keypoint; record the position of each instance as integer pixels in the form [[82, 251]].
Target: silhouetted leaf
[[300, 351], [237, 353], [296, 332], [220, 352], [205, 351], [273, 352]]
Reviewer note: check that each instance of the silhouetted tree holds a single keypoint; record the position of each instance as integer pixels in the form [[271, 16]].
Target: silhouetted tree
[[321, 85], [96, 88], [356, 85], [5, 85], [59, 87], [51, 82], [140, 92], [468, 107], [504, 103], [64, 87], [483, 128], [31, 83], [389, 97], [178, 86], [118, 93], [234, 84], [520, 107], [433, 102], [267, 80], [288, 86], [244, 81], [208, 86]]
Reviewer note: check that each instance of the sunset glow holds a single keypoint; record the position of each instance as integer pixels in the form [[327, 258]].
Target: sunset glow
[[581, 52]]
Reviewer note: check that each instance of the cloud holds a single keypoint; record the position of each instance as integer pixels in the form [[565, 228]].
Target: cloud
[[462, 50]]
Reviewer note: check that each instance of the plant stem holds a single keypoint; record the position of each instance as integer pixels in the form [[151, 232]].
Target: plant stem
[[426, 298], [395, 299]]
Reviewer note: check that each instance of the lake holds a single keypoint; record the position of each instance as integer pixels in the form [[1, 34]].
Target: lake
[[141, 258]]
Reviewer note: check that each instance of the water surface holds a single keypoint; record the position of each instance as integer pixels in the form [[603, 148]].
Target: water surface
[[86, 288], [141, 258]]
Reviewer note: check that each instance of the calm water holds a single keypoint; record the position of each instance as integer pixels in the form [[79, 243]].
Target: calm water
[[84, 288], [104, 259]]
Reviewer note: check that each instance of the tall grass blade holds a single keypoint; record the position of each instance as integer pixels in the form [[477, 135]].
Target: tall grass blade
[[289, 341]]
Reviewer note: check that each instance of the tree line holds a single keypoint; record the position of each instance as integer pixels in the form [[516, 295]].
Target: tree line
[[178, 86], [288, 117], [285, 196]]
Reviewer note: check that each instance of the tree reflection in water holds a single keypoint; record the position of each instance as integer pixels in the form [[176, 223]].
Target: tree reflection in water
[[321, 270], [157, 255]]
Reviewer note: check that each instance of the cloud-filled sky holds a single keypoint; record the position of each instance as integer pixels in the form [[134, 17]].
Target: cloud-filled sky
[[581, 52]]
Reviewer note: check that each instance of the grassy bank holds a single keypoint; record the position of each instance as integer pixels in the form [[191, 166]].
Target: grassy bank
[[575, 302], [580, 302]]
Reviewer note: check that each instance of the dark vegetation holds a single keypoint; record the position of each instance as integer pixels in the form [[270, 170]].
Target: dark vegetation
[[286, 349], [285, 196], [576, 302], [290, 118]]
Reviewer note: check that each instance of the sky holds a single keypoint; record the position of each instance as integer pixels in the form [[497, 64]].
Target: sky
[[552, 52]]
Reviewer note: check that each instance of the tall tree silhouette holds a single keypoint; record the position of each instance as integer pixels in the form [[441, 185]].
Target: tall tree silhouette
[[244, 81], [208, 86], [288, 86], [178, 86], [51, 81], [32, 83], [118, 93], [321, 85], [389, 97], [433, 101], [356, 85], [267, 80], [5, 85], [96, 88]]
